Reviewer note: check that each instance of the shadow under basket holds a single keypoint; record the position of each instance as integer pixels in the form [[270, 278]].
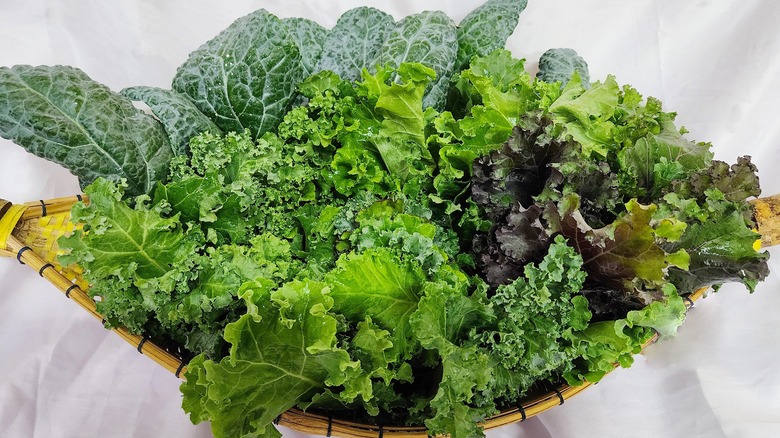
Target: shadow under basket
[[29, 233]]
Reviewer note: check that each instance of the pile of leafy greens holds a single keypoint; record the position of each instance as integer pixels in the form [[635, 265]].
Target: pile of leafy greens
[[388, 218]]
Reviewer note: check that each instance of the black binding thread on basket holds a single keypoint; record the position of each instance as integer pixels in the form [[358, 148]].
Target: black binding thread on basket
[[330, 426], [278, 419], [549, 387], [523, 415], [141, 345], [5, 208], [79, 198], [70, 288], [560, 396], [21, 251], [43, 207], [381, 431], [178, 370], [688, 300], [43, 268]]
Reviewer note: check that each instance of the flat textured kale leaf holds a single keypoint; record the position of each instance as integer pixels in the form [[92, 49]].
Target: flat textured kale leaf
[[245, 77], [181, 119], [122, 249], [310, 38], [487, 28], [283, 351], [378, 283], [559, 65], [355, 40], [428, 38], [60, 114]]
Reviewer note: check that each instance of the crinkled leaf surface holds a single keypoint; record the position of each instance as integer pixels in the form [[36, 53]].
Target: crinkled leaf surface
[[354, 42], [620, 252], [559, 65], [428, 38], [310, 38], [721, 250], [60, 114], [245, 77], [118, 238], [487, 28], [181, 119]]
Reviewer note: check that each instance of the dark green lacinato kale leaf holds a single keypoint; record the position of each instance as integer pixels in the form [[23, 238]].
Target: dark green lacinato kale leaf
[[181, 119], [310, 38], [354, 42], [486, 29], [245, 77], [60, 114], [428, 38], [559, 65]]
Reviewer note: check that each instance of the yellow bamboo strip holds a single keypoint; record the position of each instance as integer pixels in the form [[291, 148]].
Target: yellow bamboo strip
[[56, 205], [148, 348]]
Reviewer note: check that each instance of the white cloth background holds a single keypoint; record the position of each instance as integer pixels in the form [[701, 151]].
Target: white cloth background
[[716, 63]]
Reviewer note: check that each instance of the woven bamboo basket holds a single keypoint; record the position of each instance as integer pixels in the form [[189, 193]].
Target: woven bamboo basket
[[29, 233]]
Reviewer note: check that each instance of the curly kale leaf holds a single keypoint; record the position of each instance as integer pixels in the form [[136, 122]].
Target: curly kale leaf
[[536, 316], [275, 362]]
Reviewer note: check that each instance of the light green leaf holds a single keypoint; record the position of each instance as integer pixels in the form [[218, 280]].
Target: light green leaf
[[274, 363], [380, 284]]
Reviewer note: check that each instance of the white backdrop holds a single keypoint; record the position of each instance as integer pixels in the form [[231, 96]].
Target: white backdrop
[[716, 63]]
